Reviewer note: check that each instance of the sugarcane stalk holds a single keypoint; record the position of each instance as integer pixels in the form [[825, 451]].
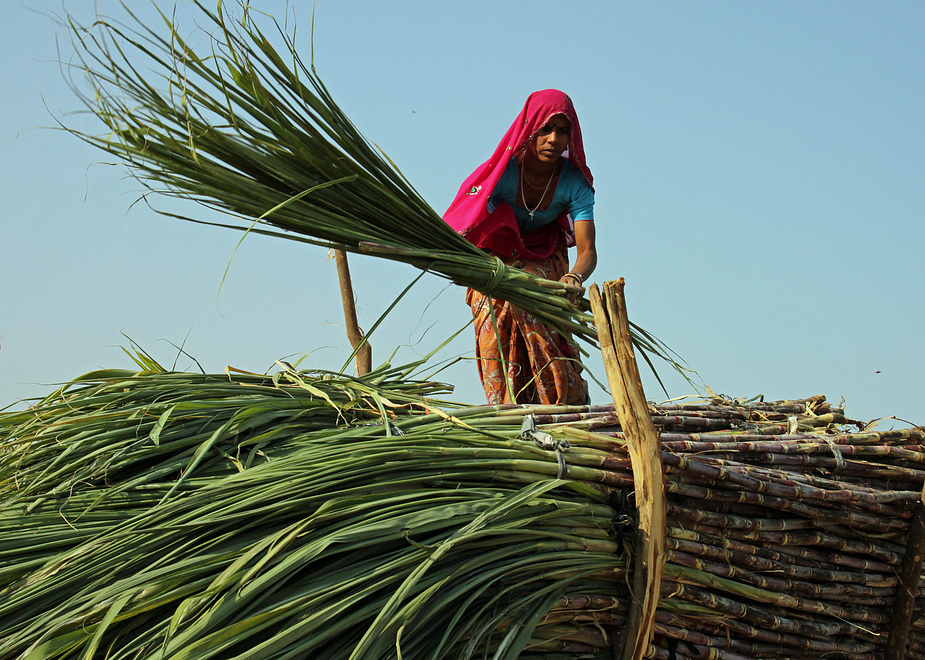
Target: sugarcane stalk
[[746, 634]]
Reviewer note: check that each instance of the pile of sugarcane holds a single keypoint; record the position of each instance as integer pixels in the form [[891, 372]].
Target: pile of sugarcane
[[294, 515], [315, 515], [786, 531]]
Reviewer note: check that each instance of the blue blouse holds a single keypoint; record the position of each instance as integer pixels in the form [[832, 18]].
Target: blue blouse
[[573, 194]]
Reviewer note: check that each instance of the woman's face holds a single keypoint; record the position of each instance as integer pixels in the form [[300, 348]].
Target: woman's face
[[551, 140]]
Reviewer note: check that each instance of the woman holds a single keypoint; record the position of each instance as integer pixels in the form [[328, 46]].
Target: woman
[[527, 204]]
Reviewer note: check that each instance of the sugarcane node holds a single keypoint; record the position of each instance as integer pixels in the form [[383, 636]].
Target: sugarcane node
[[626, 518]]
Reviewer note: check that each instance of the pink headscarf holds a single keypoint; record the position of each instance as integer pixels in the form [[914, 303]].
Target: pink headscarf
[[498, 230]]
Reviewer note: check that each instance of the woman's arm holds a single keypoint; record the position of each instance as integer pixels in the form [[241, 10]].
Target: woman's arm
[[586, 258]]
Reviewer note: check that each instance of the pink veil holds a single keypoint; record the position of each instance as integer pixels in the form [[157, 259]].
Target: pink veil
[[468, 214]]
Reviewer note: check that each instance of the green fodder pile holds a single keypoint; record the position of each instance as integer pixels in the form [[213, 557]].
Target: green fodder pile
[[314, 515]]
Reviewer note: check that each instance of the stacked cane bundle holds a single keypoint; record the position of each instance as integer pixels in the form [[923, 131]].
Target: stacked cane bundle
[[787, 533], [316, 515]]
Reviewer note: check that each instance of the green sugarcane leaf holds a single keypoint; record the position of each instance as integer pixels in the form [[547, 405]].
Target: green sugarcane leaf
[[111, 613], [155, 433]]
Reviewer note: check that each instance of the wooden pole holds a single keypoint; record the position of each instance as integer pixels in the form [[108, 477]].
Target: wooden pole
[[908, 583], [354, 334], [645, 453]]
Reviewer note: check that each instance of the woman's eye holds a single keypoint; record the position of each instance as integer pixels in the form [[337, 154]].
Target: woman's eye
[[559, 130]]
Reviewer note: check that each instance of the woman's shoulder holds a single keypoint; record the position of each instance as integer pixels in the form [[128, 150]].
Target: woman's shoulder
[[570, 171], [572, 178]]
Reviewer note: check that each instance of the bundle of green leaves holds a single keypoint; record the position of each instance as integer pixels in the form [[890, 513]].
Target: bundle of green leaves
[[249, 130], [292, 515]]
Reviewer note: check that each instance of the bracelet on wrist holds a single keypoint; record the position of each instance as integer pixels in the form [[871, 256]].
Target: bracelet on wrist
[[578, 277]]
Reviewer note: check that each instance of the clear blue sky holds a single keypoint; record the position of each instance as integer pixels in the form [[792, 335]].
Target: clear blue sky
[[759, 167]]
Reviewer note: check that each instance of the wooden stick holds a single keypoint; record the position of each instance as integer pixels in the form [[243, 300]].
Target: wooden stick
[[354, 334], [643, 445], [908, 584]]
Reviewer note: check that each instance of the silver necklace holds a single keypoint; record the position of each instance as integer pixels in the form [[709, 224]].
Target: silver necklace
[[527, 181], [542, 197]]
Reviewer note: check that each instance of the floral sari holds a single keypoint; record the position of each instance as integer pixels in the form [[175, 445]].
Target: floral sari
[[542, 367]]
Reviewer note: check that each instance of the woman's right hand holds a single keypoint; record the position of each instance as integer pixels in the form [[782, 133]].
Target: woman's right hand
[[574, 286]]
